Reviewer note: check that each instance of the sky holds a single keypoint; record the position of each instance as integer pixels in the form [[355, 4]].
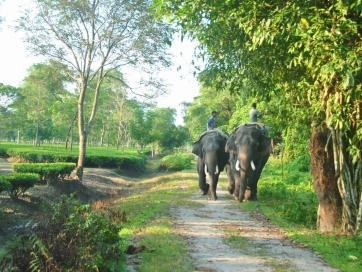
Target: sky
[[15, 60]]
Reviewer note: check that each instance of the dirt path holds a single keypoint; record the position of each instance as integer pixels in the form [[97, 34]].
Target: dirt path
[[265, 248]]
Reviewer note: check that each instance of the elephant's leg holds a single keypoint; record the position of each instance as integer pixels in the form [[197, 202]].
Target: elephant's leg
[[237, 186], [254, 178], [242, 191], [213, 184], [230, 175], [202, 177]]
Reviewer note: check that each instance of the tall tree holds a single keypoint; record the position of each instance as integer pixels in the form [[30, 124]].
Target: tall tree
[[141, 124], [307, 53], [37, 89], [92, 38], [200, 110]]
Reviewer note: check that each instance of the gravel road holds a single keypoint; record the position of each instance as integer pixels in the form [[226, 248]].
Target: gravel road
[[264, 248]]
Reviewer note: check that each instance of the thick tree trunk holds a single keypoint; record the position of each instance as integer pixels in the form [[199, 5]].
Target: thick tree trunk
[[349, 177], [325, 183]]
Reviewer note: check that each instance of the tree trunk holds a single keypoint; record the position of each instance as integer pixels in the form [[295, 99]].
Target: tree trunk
[[18, 141], [71, 139], [81, 158], [348, 177], [36, 136], [118, 136], [102, 135], [325, 182]]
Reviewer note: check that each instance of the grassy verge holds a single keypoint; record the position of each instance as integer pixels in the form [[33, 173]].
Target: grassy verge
[[286, 196], [148, 222]]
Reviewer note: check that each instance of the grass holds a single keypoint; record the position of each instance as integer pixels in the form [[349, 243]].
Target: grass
[[149, 223], [286, 197]]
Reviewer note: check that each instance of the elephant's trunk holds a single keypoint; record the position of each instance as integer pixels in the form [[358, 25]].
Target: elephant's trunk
[[216, 170]]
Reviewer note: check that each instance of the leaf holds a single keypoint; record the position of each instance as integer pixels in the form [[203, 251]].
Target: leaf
[[353, 257]]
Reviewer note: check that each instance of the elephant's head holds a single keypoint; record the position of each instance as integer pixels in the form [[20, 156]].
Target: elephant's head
[[212, 158], [249, 144], [211, 150], [250, 148]]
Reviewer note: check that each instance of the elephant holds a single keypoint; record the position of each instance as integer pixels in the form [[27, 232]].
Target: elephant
[[212, 158], [249, 148]]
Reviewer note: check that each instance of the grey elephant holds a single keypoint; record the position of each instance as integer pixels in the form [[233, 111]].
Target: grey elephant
[[212, 158], [249, 148]]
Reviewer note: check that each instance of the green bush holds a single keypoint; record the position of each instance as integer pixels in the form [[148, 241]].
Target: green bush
[[20, 183], [47, 171], [176, 162], [70, 238], [4, 185], [287, 189], [115, 160], [3, 152]]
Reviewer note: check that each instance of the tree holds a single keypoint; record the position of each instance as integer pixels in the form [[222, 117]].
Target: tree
[[140, 124], [92, 38], [202, 106], [9, 95], [39, 89], [306, 53]]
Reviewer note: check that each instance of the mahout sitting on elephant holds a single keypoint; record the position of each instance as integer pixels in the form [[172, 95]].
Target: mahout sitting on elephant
[[249, 148], [212, 158]]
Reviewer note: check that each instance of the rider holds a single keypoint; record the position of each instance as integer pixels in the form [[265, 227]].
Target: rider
[[211, 121], [254, 114]]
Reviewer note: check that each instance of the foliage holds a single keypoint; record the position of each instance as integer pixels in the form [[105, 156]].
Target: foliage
[[96, 157], [49, 172], [305, 55], [288, 190], [20, 183], [177, 162], [91, 39], [200, 110], [71, 238], [5, 185]]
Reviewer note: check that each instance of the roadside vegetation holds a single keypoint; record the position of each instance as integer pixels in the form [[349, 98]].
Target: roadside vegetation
[[144, 224]]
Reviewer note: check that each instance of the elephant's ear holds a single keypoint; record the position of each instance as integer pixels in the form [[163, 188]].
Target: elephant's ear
[[196, 149], [230, 144], [265, 147]]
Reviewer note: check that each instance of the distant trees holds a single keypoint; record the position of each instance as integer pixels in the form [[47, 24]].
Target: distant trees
[[92, 38], [200, 110]]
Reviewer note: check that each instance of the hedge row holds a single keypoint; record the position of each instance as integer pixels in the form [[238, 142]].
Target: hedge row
[[47, 171], [17, 183], [127, 161]]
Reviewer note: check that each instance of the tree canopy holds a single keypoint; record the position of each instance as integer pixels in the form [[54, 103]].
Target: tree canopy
[[305, 53], [93, 38]]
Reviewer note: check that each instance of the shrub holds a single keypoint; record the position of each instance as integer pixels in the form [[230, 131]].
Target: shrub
[[4, 185], [20, 183], [71, 238], [176, 162], [47, 171]]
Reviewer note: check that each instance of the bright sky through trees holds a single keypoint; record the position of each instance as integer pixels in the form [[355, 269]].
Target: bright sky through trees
[[15, 60]]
